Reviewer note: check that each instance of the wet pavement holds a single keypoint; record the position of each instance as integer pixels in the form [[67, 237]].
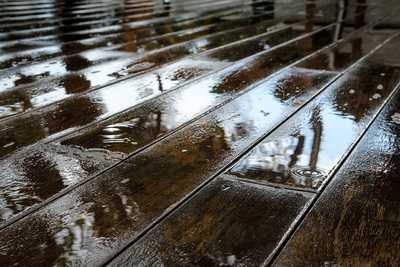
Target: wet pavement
[[187, 133]]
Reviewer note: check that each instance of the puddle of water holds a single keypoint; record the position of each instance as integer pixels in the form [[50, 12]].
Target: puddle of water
[[396, 118], [308, 146], [361, 198]]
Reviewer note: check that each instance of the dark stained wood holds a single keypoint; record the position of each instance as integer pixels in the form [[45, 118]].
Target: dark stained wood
[[121, 121], [159, 244], [112, 209], [229, 223], [163, 115]]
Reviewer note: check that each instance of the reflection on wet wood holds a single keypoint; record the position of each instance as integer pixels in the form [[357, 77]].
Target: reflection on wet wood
[[120, 116], [320, 109], [67, 115], [356, 221], [220, 87], [148, 184], [75, 83], [304, 150]]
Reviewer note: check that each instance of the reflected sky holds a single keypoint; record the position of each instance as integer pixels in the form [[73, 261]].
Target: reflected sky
[[364, 195]]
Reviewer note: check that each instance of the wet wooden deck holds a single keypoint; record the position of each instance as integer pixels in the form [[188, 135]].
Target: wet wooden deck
[[199, 133]]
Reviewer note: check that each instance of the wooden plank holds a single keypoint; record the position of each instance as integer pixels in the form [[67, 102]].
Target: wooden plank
[[230, 223], [99, 104], [116, 24], [131, 22], [111, 210], [97, 148], [330, 116], [106, 67], [51, 52], [356, 221], [304, 153]]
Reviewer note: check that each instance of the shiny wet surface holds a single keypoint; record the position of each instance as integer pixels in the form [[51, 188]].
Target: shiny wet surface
[[303, 151], [108, 101], [134, 129], [360, 205], [185, 133], [202, 232]]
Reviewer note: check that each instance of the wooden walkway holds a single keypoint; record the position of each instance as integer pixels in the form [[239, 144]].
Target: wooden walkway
[[199, 133]]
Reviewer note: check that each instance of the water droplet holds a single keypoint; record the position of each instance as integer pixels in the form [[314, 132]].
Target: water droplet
[[231, 259], [8, 145], [352, 91], [305, 173], [225, 187], [380, 87], [376, 96], [396, 118], [125, 181]]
